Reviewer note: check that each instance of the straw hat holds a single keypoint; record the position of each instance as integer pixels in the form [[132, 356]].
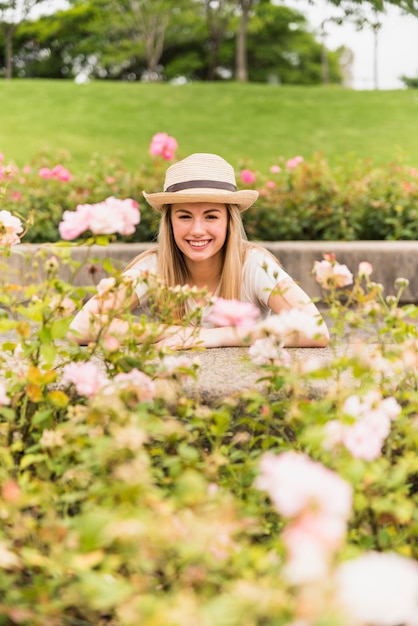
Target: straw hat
[[201, 177]]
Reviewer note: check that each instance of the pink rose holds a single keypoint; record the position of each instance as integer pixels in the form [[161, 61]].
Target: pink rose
[[292, 163], [318, 502], [232, 313], [248, 177], [114, 216], [61, 173], [292, 322], [379, 589], [267, 350], [104, 218], [86, 378], [10, 228], [329, 274], [75, 222], [163, 145], [295, 484], [365, 269], [365, 436], [143, 384], [45, 172]]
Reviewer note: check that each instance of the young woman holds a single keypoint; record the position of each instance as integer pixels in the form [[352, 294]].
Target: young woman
[[202, 243]]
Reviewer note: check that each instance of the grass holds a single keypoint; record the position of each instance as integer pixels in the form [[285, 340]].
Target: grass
[[254, 123]]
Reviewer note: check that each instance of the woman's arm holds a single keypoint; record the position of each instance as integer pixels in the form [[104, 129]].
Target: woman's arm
[[99, 313], [287, 296]]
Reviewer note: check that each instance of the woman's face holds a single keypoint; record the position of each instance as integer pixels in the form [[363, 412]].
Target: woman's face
[[199, 229]]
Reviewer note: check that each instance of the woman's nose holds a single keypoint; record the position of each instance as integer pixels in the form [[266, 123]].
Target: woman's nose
[[197, 226]]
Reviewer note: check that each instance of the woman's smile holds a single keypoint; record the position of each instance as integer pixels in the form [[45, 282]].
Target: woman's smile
[[200, 243]]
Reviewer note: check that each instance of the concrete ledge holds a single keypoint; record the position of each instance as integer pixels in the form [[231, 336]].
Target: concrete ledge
[[390, 260]]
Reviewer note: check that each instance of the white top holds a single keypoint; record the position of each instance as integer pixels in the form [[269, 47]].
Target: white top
[[260, 275]]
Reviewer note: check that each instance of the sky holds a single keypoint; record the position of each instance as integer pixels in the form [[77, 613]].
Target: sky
[[397, 45]]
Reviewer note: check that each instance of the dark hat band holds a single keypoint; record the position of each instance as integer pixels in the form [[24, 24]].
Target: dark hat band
[[202, 184]]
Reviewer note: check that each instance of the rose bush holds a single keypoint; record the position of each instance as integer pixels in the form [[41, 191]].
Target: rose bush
[[300, 199], [125, 499]]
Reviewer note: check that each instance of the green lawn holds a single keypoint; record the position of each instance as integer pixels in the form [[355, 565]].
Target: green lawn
[[258, 123]]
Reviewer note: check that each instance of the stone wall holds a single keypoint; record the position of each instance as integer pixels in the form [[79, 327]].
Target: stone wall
[[390, 260]]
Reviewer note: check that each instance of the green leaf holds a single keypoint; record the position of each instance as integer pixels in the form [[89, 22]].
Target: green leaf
[[41, 416], [31, 459], [48, 353]]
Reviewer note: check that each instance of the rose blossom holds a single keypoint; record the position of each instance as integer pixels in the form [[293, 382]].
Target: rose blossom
[[75, 222], [331, 274], [10, 228], [365, 269], [379, 589], [143, 384], [291, 322], [295, 483], [365, 436], [163, 145], [114, 216], [45, 172], [267, 350], [64, 306], [61, 173], [106, 285], [317, 500], [86, 378], [248, 176], [232, 313], [294, 162], [104, 218], [172, 365], [310, 542]]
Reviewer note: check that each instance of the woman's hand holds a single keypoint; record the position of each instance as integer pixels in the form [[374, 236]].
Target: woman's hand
[[186, 337]]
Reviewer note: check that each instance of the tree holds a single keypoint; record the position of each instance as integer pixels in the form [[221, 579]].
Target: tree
[[351, 7], [139, 28], [282, 49], [241, 64], [218, 17], [55, 46], [13, 13]]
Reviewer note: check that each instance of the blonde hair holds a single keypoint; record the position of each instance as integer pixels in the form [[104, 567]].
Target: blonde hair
[[172, 269]]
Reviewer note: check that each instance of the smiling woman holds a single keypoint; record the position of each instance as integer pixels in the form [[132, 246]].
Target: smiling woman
[[202, 245]]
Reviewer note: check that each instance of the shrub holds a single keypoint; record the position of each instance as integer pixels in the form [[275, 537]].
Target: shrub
[[299, 199], [127, 500]]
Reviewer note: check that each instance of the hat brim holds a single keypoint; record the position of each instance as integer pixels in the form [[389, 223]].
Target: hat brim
[[243, 198]]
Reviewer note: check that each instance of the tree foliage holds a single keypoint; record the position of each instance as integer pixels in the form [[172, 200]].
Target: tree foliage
[[193, 39], [13, 13]]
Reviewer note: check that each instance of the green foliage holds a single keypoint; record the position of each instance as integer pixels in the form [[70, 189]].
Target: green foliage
[[410, 82], [115, 39], [122, 509], [354, 200]]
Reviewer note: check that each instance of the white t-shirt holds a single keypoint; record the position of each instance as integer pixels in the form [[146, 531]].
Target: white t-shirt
[[260, 275]]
